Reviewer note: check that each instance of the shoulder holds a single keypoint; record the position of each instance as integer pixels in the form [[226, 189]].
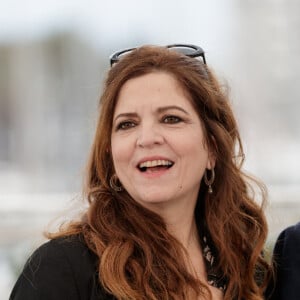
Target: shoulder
[[71, 249], [292, 232], [61, 255], [287, 249], [63, 268], [288, 240], [286, 259]]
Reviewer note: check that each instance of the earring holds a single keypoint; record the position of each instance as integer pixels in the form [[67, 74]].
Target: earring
[[113, 183], [210, 181]]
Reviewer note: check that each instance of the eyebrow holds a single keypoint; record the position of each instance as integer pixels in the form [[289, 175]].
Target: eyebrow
[[165, 108], [127, 115], [159, 110]]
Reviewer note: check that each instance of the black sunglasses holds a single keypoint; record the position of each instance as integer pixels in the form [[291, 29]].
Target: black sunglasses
[[186, 49]]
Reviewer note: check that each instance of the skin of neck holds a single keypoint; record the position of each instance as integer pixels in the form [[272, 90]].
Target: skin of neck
[[180, 221]]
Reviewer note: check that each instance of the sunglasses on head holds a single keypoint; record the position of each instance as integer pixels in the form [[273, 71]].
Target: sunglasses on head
[[186, 49]]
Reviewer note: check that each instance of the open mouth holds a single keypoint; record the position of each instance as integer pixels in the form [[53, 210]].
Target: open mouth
[[155, 165]]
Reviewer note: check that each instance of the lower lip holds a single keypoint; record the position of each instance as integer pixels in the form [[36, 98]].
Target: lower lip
[[154, 173]]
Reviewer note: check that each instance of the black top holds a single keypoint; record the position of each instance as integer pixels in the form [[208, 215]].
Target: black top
[[61, 269], [65, 268], [286, 259]]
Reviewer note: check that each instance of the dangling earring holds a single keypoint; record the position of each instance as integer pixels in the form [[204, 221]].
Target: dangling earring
[[210, 181], [113, 183]]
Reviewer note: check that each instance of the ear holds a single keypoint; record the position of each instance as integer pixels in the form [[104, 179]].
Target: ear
[[211, 161], [108, 149]]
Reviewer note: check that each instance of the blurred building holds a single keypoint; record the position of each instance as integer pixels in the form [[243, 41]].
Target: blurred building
[[49, 92]]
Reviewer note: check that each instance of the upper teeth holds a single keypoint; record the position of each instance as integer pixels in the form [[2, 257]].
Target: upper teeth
[[154, 163]]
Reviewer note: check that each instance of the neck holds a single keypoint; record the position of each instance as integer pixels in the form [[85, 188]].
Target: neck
[[184, 228], [180, 222], [185, 231]]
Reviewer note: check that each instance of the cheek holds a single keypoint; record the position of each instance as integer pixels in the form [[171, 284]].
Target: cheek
[[195, 155], [192, 144], [116, 154], [121, 153]]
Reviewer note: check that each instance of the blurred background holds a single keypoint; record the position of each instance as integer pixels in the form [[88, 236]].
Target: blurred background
[[53, 59]]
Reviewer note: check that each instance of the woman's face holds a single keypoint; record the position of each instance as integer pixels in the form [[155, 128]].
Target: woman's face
[[158, 146]]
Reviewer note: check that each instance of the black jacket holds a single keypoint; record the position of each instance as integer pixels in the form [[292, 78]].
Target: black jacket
[[61, 269], [286, 258], [65, 269]]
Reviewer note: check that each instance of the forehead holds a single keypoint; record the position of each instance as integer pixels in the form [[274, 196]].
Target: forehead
[[151, 90]]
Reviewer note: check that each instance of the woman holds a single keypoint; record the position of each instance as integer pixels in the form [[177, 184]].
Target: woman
[[171, 215]]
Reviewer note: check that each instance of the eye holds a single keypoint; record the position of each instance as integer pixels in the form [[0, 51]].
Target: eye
[[171, 119], [125, 125]]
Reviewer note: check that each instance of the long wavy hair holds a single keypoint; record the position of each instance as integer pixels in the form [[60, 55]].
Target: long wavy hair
[[138, 257]]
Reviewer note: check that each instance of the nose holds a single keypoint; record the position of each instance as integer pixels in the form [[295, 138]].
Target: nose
[[149, 135]]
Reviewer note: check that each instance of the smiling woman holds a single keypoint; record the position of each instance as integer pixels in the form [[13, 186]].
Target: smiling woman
[[154, 131], [171, 215]]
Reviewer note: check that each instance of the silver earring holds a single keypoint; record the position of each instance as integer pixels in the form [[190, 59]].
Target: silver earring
[[113, 182], [210, 181]]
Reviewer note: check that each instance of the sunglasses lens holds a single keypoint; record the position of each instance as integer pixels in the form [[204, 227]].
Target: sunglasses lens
[[184, 50], [120, 55], [188, 50]]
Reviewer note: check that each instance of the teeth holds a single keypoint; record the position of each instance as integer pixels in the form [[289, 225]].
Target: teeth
[[155, 163]]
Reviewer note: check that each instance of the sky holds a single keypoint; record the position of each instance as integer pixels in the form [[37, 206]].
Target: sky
[[152, 21]]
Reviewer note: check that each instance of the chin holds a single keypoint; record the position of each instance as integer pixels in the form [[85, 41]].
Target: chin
[[152, 199]]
